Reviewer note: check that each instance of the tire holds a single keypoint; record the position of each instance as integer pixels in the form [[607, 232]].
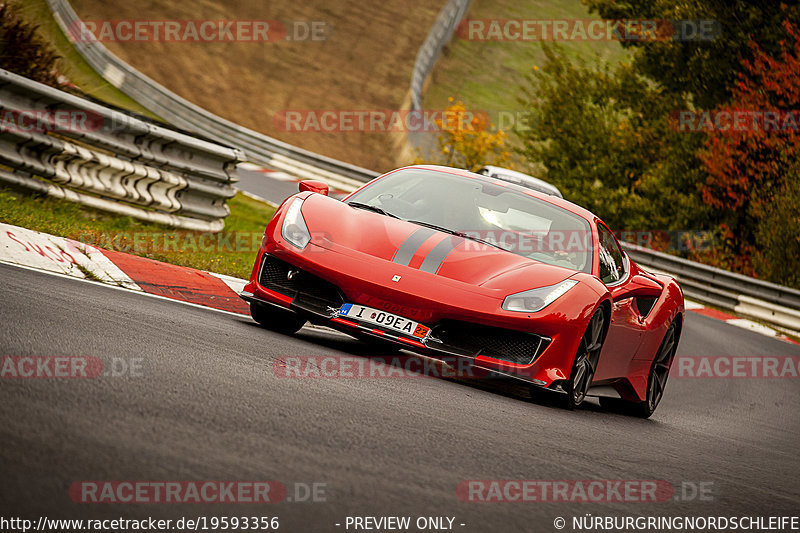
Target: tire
[[276, 319], [656, 379], [585, 363]]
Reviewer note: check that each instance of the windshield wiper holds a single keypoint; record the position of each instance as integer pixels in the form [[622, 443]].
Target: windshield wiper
[[437, 228], [457, 233], [373, 208]]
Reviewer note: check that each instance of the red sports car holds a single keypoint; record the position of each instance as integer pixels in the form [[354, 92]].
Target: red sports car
[[446, 262]]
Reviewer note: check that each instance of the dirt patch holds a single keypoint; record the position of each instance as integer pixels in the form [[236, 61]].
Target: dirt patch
[[365, 64]]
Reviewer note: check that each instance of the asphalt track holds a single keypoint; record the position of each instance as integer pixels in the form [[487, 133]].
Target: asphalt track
[[271, 189], [207, 405]]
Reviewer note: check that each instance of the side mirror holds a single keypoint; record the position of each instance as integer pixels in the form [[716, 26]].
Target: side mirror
[[319, 187], [637, 287]]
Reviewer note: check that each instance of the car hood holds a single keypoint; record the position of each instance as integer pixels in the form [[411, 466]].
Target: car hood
[[335, 225]]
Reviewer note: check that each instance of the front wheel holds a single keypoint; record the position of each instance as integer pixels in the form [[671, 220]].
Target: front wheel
[[276, 319], [656, 380], [585, 364]]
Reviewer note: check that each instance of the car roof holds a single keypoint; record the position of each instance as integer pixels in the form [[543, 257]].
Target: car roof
[[555, 200], [521, 178]]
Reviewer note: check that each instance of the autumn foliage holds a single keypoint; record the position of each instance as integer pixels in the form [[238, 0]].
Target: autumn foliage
[[469, 140], [753, 171]]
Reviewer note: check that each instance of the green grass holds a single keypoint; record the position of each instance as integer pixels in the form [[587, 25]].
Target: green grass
[[72, 65], [488, 75], [231, 252]]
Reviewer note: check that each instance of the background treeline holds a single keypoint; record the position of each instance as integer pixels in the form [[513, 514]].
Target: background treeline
[[610, 139]]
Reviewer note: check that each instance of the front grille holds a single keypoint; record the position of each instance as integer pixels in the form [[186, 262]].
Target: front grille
[[307, 290], [499, 343]]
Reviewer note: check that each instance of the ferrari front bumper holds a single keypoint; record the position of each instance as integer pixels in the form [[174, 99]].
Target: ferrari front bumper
[[503, 350], [430, 347]]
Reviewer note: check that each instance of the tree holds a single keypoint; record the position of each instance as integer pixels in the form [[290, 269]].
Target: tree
[[469, 140], [706, 69], [777, 235], [606, 142], [753, 168]]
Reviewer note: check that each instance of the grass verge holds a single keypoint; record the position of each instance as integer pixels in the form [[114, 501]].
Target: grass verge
[[488, 75], [230, 252]]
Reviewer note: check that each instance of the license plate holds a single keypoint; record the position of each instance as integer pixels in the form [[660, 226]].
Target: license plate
[[389, 321]]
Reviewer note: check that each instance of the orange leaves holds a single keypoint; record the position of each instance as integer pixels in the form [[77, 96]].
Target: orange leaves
[[468, 139], [750, 169]]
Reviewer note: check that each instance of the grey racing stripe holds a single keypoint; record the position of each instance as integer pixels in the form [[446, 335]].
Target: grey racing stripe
[[436, 257], [407, 250]]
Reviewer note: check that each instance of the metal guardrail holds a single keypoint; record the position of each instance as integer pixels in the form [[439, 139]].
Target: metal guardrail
[[771, 303], [439, 35], [258, 148], [101, 157]]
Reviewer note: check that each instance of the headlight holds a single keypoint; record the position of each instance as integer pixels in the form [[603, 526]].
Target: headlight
[[537, 299], [294, 228]]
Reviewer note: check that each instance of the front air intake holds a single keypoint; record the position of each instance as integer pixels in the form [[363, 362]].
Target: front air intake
[[307, 290], [509, 345]]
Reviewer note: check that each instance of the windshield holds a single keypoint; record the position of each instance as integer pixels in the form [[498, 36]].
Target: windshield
[[502, 216]]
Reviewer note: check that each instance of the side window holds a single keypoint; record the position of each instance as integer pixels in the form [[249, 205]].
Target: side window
[[612, 262]]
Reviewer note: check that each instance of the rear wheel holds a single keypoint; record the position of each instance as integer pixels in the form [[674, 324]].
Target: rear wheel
[[585, 364], [656, 380], [276, 319]]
